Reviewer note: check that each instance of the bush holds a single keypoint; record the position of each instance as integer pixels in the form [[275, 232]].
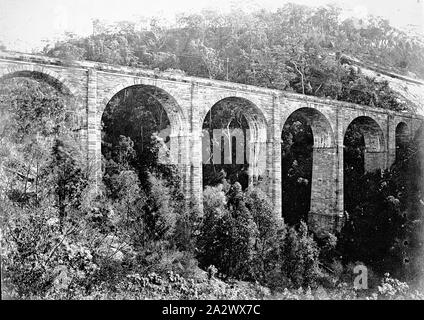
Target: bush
[[228, 233], [385, 209], [299, 255], [270, 230], [39, 257]]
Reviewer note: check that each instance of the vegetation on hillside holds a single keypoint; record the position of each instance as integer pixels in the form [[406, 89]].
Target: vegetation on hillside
[[296, 48], [138, 238]]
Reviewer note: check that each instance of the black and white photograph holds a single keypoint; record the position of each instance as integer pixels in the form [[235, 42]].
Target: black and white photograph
[[212, 156]]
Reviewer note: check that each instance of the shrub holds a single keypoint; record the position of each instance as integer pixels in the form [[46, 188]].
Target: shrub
[[270, 229], [228, 232], [299, 257]]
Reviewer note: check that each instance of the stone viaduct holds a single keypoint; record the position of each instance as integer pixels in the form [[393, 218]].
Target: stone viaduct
[[187, 100]]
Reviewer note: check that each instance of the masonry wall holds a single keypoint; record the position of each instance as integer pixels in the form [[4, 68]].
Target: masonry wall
[[92, 85]]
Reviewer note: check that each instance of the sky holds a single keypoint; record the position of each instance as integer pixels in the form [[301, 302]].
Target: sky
[[26, 24]]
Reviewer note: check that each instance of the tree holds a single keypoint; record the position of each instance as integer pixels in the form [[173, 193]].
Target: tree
[[67, 176], [270, 230]]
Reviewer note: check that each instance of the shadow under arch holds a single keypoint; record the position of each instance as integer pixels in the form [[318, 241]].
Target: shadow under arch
[[234, 135], [47, 77], [364, 145], [402, 138], [309, 163]]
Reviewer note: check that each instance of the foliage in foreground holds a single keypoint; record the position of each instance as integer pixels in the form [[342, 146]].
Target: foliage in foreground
[[93, 256]]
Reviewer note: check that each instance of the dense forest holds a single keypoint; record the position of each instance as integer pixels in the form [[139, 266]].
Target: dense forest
[[296, 48], [137, 238]]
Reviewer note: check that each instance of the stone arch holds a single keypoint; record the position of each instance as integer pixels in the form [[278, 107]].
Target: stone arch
[[374, 140], [402, 137], [177, 130], [402, 131], [254, 104], [33, 71], [56, 81], [168, 102], [256, 136], [372, 132], [319, 123], [253, 113]]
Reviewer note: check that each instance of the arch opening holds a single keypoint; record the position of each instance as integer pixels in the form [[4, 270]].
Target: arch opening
[[364, 152], [307, 144], [75, 117], [402, 139], [139, 126], [364, 147], [233, 143], [40, 77]]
